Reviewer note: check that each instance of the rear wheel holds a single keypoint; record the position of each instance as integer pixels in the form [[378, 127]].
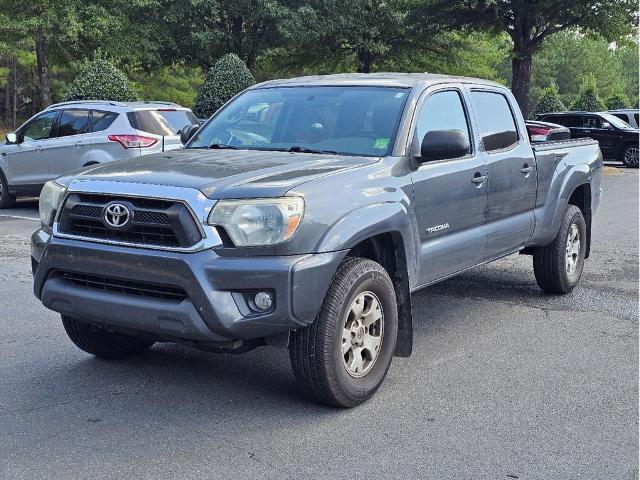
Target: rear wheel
[[558, 266], [102, 343], [342, 358], [6, 199], [630, 156]]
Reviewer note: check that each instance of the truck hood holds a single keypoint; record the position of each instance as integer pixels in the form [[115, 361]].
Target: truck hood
[[224, 173]]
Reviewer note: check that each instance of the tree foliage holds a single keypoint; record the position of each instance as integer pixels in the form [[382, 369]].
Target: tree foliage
[[617, 100], [100, 80], [529, 24], [225, 79], [550, 101], [588, 99]]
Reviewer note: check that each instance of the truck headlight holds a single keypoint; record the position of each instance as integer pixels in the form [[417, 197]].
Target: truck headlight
[[260, 221], [50, 199]]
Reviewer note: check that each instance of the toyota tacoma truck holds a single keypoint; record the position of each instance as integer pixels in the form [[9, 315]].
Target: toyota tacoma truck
[[304, 214]]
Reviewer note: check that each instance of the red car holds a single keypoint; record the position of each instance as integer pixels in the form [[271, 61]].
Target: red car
[[545, 131]]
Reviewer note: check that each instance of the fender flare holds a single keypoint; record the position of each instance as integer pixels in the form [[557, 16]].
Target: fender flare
[[370, 221], [578, 175]]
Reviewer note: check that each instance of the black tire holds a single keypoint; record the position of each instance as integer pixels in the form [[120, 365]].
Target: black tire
[[627, 158], [101, 343], [316, 351], [6, 199], [550, 263]]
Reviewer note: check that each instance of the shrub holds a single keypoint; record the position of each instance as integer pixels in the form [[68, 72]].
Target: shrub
[[100, 80], [588, 99], [226, 78], [550, 101], [617, 100]]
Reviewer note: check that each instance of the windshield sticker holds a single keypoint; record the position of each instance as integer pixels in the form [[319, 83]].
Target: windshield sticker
[[381, 143]]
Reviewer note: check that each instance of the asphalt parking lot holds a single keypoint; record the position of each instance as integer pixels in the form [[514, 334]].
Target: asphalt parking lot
[[504, 382]]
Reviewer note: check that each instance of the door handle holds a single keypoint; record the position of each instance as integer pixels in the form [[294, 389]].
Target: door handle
[[39, 148], [479, 179], [526, 169]]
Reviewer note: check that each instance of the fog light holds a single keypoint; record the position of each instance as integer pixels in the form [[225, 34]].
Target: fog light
[[263, 300]]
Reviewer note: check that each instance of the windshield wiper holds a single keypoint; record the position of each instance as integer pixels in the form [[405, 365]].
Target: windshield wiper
[[299, 149], [222, 146]]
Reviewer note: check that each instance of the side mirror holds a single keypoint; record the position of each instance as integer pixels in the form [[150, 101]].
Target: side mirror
[[500, 140], [188, 132], [444, 144], [606, 125], [12, 138]]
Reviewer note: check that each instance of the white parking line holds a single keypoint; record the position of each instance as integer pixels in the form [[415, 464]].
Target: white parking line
[[21, 217]]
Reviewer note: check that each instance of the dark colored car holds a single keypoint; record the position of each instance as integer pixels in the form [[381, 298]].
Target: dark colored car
[[618, 140]]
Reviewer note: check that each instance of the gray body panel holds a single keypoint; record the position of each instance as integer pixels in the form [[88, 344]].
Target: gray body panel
[[348, 199]]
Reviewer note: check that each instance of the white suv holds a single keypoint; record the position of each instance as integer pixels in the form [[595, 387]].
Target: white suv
[[70, 135]]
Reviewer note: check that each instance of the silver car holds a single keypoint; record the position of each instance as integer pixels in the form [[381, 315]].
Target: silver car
[[70, 135], [629, 115]]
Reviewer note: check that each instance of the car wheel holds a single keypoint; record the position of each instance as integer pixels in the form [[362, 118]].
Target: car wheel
[[558, 266], [630, 156], [6, 199], [342, 358], [102, 343]]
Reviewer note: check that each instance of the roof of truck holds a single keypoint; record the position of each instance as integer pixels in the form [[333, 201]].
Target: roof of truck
[[386, 79]]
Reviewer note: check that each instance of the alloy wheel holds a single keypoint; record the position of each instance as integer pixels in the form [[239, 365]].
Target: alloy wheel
[[573, 249], [362, 334]]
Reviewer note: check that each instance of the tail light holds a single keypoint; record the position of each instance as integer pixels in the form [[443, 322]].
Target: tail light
[[133, 141], [538, 134]]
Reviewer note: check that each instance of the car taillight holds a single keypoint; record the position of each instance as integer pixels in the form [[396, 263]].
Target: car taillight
[[133, 141]]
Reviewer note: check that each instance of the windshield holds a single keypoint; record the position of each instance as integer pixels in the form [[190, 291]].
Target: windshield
[[346, 120], [615, 121]]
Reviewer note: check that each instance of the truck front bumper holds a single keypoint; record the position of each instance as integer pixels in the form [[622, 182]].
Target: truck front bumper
[[193, 297]]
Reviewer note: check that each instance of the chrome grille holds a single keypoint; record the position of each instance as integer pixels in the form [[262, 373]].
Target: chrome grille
[[161, 223]]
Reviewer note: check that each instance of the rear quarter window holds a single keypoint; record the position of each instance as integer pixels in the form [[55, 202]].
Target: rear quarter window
[[161, 122]]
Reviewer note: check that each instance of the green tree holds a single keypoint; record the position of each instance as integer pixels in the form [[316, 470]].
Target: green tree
[[588, 99], [567, 57], [225, 79], [549, 101], [354, 34], [617, 100], [530, 23], [100, 80]]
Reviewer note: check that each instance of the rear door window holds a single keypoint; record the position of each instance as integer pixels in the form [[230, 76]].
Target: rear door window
[[102, 120], [162, 121], [73, 122], [494, 116]]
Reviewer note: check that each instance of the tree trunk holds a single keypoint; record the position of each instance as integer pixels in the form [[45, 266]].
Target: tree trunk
[[43, 71], [521, 80], [364, 59], [14, 93]]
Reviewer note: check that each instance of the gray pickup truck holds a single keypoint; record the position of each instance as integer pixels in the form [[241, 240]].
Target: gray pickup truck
[[303, 215]]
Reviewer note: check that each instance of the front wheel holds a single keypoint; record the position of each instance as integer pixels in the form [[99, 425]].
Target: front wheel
[[342, 358], [630, 156], [558, 266], [102, 343]]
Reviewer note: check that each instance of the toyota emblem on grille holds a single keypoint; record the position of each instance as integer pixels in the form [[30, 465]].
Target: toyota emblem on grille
[[116, 215]]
